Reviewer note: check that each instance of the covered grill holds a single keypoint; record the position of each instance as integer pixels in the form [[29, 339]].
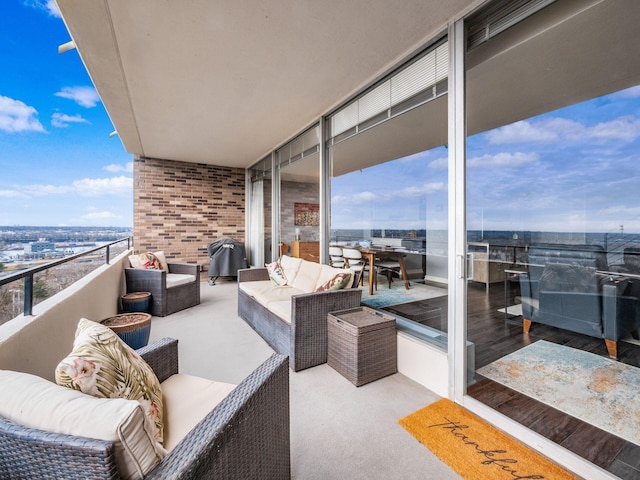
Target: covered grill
[[227, 256]]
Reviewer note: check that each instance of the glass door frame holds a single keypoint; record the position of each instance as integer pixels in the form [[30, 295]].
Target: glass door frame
[[457, 276]]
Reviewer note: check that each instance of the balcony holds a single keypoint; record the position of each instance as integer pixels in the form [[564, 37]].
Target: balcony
[[337, 430]]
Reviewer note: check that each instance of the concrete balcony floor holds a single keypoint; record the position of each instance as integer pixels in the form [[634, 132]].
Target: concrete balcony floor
[[338, 431]]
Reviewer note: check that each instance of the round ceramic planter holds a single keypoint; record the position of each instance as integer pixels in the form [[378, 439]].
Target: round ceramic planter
[[136, 302], [132, 328]]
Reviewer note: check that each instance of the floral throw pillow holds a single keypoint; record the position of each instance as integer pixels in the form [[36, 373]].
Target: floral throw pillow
[[150, 261], [338, 282], [102, 365], [276, 274]]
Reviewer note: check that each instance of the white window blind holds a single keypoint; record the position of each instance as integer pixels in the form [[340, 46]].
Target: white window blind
[[304, 144], [499, 16], [376, 101], [409, 82]]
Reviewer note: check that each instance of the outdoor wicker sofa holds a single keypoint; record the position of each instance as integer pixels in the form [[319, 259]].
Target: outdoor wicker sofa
[[246, 436], [292, 318]]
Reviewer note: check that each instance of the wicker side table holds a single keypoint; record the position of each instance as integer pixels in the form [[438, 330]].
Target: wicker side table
[[362, 344]]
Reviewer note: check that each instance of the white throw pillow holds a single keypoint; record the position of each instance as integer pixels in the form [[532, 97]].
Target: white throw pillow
[[276, 274]]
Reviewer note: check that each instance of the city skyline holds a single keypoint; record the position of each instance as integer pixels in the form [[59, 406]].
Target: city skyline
[[58, 164]]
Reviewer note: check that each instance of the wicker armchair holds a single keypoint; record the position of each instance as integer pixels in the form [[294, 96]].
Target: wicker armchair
[[165, 301], [245, 437]]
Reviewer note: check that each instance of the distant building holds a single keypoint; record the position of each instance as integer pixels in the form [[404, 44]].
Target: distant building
[[39, 246]]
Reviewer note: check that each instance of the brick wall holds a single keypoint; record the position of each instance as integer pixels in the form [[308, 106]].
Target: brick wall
[[181, 207]]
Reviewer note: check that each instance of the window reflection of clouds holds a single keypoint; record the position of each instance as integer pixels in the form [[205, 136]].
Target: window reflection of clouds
[[574, 168], [582, 174]]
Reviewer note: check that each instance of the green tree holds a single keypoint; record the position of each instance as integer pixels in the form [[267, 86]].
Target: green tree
[[40, 290]]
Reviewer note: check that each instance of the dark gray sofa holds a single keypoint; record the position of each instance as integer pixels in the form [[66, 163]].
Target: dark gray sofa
[[569, 287]]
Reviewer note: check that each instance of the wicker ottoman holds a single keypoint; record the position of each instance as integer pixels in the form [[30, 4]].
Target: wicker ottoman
[[362, 344]]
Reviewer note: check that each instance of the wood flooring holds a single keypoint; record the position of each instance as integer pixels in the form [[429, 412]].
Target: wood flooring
[[495, 337]]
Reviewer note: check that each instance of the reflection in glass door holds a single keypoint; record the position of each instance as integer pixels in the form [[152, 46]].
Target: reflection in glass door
[[552, 218], [299, 167]]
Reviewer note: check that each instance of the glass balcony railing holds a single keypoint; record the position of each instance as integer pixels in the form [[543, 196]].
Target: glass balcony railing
[[25, 286]]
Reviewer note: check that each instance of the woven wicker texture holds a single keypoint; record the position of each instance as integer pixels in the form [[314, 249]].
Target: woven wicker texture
[[245, 437], [362, 344], [165, 301], [305, 339]]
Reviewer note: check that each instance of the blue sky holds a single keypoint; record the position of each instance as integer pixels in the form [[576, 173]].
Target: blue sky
[[576, 169], [58, 165]]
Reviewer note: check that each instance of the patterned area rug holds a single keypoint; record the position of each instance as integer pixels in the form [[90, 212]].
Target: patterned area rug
[[595, 389], [385, 296], [475, 449]]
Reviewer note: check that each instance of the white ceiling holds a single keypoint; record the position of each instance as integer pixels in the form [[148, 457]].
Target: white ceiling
[[224, 82]]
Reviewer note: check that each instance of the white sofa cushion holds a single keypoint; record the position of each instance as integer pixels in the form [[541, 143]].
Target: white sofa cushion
[[266, 292], [277, 294], [175, 279], [307, 276], [282, 309], [290, 267], [34, 402], [187, 400], [252, 288]]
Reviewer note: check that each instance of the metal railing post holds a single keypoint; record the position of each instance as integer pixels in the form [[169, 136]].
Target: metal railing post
[[107, 254], [28, 295]]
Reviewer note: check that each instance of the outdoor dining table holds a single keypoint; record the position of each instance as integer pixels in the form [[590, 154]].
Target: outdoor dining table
[[372, 252]]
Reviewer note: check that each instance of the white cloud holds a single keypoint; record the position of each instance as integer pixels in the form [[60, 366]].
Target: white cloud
[[84, 96], [115, 167], [52, 8], [100, 186], [624, 129], [48, 6], [105, 215], [356, 198], [503, 159], [633, 92], [549, 130], [424, 189], [440, 163], [61, 120], [521, 132], [87, 187], [12, 194], [16, 116]]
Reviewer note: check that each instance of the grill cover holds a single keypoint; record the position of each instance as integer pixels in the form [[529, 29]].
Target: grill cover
[[227, 256]]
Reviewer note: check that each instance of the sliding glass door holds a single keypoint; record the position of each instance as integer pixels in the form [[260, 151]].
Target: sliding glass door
[[553, 226]]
